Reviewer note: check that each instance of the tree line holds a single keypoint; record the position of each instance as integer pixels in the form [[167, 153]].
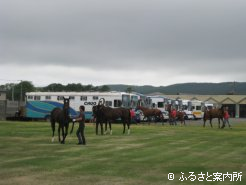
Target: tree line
[[16, 91]]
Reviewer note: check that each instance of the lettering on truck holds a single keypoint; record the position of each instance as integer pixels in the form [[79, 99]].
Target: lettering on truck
[[90, 103]]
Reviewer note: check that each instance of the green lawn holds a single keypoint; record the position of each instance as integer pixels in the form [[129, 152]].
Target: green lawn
[[146, 156]]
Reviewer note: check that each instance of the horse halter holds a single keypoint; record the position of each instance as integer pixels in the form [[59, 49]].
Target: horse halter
[[66, 103], [101, 101]]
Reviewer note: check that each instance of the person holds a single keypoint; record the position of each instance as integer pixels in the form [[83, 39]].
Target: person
[[80, 132], [174, 115], [137, 116], [226, 118], [133, 115]]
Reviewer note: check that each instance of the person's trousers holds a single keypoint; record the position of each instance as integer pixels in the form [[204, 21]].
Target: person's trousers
[[80, 133]]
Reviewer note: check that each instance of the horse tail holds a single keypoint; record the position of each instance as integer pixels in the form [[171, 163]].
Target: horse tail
[[53, 121], [129, 116]]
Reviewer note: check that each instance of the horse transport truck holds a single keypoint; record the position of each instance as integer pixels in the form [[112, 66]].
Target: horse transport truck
[[40, 104], [160, 102]]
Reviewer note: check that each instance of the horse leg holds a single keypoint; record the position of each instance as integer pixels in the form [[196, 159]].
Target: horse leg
[[149, 118], [211, 123], [101, 125], [128, 127], [97, 128], [66, 130], [53, 124], [71, 131], [110, 128], [219, 122], [223, 123], [106, 125], [59, 137], [124, 127], [63, 135], [161, 120], [181, 121]]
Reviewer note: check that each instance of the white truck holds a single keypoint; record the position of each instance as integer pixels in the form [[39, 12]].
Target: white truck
[[187, 108], [160, 102]]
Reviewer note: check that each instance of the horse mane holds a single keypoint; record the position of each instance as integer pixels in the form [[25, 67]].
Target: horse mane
[[222, 108], [142, 108]]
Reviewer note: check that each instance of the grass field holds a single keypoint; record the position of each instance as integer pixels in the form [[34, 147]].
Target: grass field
[[146, 156]]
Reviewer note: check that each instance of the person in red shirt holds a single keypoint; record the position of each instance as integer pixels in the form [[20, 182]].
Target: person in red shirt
[[226, 117], [173, 115], [132, 112]]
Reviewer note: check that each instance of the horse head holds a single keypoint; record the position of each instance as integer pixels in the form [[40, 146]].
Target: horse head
[[169, 107], [222, 108], [94, 110], [66, 102], [101, 101], [101, 104]]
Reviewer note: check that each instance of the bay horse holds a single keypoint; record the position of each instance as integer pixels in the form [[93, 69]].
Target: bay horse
[[180, 115], [149, 113], [61, 116], [213, 113], [108, 115], [98, 117]]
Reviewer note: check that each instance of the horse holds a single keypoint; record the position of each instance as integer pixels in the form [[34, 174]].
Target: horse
[[149, 113], [213, 113], [97, 114], [180, 115], [107, 114], [61, 116]]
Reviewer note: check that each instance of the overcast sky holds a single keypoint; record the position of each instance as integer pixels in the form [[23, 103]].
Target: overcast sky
[[136, 42]]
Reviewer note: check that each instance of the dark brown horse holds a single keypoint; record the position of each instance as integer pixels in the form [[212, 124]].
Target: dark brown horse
[[61, 116], [97, 115], [213, 113], [108, 115], [180, 115], [151, 113]]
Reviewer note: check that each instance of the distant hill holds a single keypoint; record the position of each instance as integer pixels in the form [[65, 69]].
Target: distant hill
[[188, 88]]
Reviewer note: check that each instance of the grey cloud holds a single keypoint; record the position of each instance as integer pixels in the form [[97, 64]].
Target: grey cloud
[[118, 34]]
